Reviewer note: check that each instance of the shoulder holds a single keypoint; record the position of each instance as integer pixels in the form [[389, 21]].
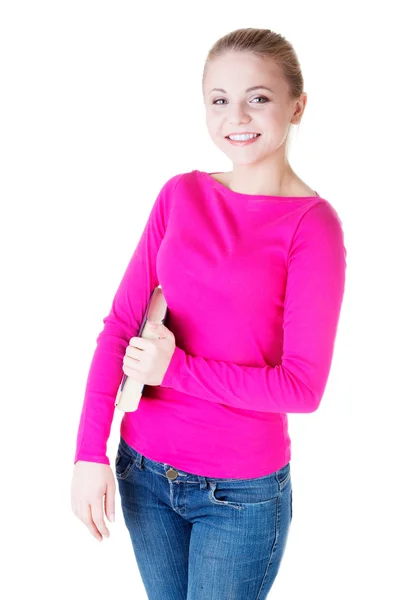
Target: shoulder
[[183, 183], [173, 180], [186, 176], [319, 231], [320, 212], [180, 178]]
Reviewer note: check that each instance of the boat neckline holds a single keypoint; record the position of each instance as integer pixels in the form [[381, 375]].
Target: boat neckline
[[223, 187]]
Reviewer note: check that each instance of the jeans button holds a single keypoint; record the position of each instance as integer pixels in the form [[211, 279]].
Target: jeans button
[[172, 473]]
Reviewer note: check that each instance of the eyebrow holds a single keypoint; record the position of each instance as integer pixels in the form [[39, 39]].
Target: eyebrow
[[250, 89]]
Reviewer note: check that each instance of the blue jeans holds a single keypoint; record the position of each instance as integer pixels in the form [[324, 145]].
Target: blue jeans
[[201, 538]]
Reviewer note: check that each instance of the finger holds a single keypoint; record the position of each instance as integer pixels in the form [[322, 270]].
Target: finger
[[139, 342], [109, 502], [157, 328], [130, 364], [97, 516], [88, 521], [161, 330], [133, 352], [141, 377]]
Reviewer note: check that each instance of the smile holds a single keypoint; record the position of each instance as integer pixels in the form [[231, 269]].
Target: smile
[[243, 142]]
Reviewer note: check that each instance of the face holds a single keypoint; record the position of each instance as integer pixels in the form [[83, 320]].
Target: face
[[259, 110]]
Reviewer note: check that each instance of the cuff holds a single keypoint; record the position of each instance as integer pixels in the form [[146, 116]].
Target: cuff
[[174, 368], [96, 458]]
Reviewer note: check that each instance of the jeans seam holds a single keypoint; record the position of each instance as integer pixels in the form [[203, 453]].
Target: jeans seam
[[273, 545]]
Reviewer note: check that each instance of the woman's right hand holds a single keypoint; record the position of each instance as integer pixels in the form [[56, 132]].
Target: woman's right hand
[[90, 482]]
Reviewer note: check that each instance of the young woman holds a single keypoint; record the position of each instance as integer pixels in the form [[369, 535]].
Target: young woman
[[252, 265]]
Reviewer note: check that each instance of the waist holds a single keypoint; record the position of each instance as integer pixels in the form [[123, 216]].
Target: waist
[[207, 438]]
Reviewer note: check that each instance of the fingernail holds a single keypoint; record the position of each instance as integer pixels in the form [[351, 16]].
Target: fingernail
[[112, 517]]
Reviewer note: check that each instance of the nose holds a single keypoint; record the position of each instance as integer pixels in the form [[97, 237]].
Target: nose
[[238, 114]]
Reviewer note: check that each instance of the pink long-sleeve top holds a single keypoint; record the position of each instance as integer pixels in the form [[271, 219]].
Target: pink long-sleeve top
[[254, 286]]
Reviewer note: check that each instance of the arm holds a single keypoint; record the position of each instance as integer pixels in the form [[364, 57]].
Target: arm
[[122, 322], [314, 293]]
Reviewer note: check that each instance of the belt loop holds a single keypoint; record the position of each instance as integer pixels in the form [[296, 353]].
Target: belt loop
[[203, 482], [139, 460]]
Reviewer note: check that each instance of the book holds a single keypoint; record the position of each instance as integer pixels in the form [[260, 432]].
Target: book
[[130, 390]]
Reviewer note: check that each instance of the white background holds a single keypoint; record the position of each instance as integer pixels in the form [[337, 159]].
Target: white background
[[100, 104]]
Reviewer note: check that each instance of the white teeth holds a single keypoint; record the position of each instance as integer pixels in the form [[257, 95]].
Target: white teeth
[[243, 137]]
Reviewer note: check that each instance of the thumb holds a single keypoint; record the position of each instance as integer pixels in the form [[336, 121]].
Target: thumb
[[160, 329], [110, 503]]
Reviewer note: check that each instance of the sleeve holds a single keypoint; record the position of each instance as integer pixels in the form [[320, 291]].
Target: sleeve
[[123, 322], [314, 293]]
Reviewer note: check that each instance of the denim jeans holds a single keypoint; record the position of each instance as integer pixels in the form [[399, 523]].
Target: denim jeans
[[201, 538]]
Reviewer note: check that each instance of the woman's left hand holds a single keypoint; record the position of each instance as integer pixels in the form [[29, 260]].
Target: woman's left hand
[[147, 360]]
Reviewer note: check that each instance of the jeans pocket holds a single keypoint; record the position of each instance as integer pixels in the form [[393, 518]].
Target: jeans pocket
[[123, 463], [242, 493]]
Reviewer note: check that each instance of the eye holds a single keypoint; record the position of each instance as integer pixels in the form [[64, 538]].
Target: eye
[[262, 98], [257, 97]]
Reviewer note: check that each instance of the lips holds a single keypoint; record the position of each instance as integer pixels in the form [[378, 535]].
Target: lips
[[244, 133], [241, 143]]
